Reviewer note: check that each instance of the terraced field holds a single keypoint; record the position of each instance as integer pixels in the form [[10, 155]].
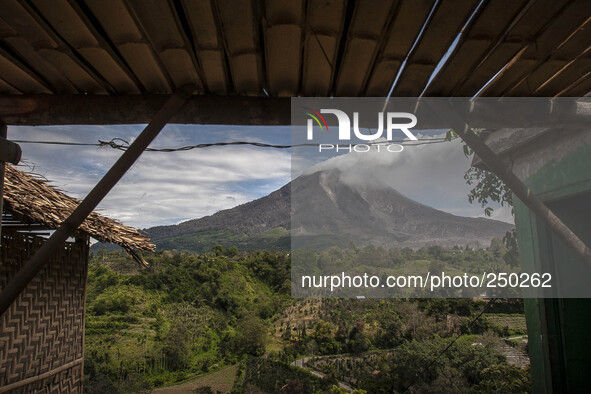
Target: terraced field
[[222, 381]]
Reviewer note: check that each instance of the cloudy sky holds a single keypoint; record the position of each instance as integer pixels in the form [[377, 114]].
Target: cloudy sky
[[167, 188]]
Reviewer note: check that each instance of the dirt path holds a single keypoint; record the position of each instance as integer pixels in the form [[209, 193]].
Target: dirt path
[[301, 362]]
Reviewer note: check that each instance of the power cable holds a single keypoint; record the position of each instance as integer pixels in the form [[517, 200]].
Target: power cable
[[121, 144]]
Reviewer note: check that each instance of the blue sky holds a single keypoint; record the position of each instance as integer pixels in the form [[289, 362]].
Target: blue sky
[[167, 188]]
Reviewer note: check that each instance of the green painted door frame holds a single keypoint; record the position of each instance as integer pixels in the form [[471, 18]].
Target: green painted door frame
[[559, 328]]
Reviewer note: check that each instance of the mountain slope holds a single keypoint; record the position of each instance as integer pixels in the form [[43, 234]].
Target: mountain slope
[[328, 212]]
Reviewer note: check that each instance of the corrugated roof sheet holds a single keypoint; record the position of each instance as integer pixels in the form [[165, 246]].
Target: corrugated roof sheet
[[291, 47]]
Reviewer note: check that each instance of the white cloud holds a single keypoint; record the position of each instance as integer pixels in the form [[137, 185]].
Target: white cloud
[[432, 174], [161, 188]]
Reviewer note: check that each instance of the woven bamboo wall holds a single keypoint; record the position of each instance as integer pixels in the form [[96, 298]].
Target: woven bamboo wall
[[42, 334]]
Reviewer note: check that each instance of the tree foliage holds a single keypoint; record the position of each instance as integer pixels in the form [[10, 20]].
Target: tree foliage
[[188, 314], [487, 187]]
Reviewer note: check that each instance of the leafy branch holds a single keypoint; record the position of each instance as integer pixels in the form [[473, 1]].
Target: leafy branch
[[486, 186]]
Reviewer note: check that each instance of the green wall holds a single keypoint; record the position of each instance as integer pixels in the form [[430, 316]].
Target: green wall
[[559, 328]]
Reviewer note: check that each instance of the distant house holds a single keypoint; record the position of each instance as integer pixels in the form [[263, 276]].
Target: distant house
[[42, 342]]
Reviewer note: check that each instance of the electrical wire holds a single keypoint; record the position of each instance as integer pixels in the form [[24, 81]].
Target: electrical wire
[[121, 144]]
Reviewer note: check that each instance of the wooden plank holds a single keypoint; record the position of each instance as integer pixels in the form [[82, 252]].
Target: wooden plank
[[283, 58], [74, 27], [6, 88], [446, 23], [42, 67], [355, 66], [545, 52], [109, 69], [404, 29], [284, 12], [25, 51], [380, 80], [239, 24], [246, 70], [565, 53], [121, 28], [214, 67], [208, 45], [72, 70], [479, 37], [457, 66], [25, 20], [283, 33], [325, 20], [368, 26], [530, 72], [317, 69], [515, 38], [159, 22], [26, 25], [415, 78], [565, 76], [145, 65], [406, 26], [48, 109], [23, 33], [442, 30], [559, 29], [13, 72], [578, 88]]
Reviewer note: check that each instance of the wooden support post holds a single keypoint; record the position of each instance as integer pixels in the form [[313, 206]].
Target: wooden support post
[[504, 172], [67, 228], [9, 152], [3, 135]]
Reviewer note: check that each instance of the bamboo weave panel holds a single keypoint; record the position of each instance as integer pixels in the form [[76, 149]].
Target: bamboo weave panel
[[44, 328]]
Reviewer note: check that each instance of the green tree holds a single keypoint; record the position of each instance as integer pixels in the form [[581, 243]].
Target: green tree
[[232, 251], [487, 186], [322, 331], [252, 335], [511, 257], [218, 250], [504, 378], [176, 346]]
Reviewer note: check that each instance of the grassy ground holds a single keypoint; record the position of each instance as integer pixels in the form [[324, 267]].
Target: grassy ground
[[222, 380], [513, 321]]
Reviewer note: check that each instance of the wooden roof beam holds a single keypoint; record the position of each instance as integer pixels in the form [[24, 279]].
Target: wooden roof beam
[[47, 109]]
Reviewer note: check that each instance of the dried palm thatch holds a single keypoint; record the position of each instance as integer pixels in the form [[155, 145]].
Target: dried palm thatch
[[32, 200]]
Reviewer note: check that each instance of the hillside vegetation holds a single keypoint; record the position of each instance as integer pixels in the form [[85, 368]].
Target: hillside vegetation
[[189, 315]]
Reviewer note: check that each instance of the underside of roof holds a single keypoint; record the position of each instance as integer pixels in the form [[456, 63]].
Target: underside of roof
[[32, 200], [285, 48]]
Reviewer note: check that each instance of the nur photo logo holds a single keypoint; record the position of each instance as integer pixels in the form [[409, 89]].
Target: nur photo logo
[[394, 122]]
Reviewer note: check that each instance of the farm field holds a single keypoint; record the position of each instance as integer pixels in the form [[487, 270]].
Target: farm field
[[220, 381]]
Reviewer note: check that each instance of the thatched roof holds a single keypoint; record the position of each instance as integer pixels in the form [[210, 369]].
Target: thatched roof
[[32, 200]]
